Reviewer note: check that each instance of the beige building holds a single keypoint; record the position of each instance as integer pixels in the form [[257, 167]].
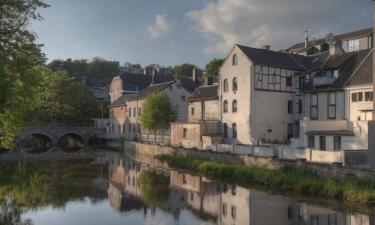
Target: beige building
[[338, 103], [125, 112], [203, 123]]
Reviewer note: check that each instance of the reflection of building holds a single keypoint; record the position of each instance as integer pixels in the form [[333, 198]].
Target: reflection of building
[[224, 204]]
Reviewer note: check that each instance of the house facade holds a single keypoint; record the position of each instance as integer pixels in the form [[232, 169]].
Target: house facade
[[126, 110], [130, 83]]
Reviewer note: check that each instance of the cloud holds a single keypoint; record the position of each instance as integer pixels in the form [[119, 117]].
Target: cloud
[[160, 26], [279, 23]]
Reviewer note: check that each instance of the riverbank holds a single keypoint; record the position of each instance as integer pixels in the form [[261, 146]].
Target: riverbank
[[288, 178]]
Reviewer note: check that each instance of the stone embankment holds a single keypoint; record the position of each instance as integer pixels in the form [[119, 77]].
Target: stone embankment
[[141, 150]]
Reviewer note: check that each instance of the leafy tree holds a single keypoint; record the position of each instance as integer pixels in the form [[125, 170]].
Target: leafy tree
[[157, 112], [62, 100], [154, 187], [19, 53], [212, 68], [185, 70]]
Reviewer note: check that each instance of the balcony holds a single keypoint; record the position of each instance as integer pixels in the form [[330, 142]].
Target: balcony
[[323, 81]]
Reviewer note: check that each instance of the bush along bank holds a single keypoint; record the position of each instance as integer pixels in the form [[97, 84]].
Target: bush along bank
[[295, 179]]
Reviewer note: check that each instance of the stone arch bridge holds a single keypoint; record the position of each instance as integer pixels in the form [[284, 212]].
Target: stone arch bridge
[[52, 135]]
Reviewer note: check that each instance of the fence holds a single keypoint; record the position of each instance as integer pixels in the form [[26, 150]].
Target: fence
[[160, 137]]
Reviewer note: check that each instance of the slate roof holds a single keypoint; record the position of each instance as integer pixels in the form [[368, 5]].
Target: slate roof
[[345, 36], [136, 82], [205, 93], [187, 84], [272, 58], [347, 64], [95, 83]]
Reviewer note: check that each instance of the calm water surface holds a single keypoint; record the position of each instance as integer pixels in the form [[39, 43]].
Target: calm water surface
[[118, 190]]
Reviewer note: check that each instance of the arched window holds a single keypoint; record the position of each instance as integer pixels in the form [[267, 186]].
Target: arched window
[[234, 84], [225, 128], [234, 128], [225, 106], [235, 60], [225, 85], [234, 106]]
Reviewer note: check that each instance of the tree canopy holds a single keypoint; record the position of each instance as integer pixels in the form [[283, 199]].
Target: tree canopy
[[157, 112], [186, 70], [97, 68], [212, 68]]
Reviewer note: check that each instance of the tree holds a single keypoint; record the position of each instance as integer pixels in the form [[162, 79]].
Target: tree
[[17, 43], [185, 70], [18, 55], [157, 112], [212, 68], [62, 100]]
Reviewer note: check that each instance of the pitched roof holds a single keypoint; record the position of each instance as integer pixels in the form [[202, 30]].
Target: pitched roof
[[95, 83], [137, 82], [345, 36], [347, 64], [364, 74], [187, 84], [272, 58], [205, 93]]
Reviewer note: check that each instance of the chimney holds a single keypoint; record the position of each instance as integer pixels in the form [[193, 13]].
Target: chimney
[[194, 74], [266, 47], [335, 48], [152, 79], [306, 38]]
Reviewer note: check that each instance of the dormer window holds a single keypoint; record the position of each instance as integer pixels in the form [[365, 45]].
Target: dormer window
[[235, 60], [336, 73], [353, 45], [324, 47]]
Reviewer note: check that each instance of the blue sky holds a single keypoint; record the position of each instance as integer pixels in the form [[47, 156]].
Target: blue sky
[[170, 32]]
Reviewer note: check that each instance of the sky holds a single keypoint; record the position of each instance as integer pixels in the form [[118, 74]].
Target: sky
[[171, 32]]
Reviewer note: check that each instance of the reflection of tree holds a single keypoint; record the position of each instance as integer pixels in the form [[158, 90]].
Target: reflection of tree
[[34, 186], [154, 187], [10, 213]]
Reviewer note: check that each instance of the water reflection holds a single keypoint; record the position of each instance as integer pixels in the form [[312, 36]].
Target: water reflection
[[118, 190], [219, 203]]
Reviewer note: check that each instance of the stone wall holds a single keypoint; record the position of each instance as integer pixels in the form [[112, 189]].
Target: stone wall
[[331, 170]]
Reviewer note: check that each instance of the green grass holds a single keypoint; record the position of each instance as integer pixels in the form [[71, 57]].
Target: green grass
[[291, 179]]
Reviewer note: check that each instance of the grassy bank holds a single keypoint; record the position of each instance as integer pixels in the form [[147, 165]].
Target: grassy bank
[[299, 180]]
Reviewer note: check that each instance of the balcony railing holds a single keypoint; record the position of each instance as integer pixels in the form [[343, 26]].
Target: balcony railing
[[323, 81]]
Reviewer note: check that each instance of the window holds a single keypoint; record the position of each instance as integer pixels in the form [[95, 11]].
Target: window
[[311, 141], [337, 143], [357, 97], [331, 105], [234, 212], [368, 96], [134, 112], [234, 190], [234, 127], [184, 132], [234, 106], [224, 209], [324, 47], [192, 196], [234, 84], [225, 130], [314, 107], [300, 106], [336, 74], [184, 180], [225, 85], [139, 111], [288, 81], [322, 142], [235, 60], [130, 112], [290, 106], [183, 98], [353, 45], [225, 106], [192, 111], [360, 96]]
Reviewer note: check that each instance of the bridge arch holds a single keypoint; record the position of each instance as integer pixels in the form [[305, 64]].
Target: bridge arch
[[36, 142], [71, 142]]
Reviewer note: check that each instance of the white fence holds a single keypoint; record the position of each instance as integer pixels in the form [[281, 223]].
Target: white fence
[[282, 152]]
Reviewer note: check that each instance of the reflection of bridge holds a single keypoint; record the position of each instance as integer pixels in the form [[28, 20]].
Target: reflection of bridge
[[51, 136]]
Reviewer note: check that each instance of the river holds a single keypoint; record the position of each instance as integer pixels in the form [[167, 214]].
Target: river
[[116, 189]]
